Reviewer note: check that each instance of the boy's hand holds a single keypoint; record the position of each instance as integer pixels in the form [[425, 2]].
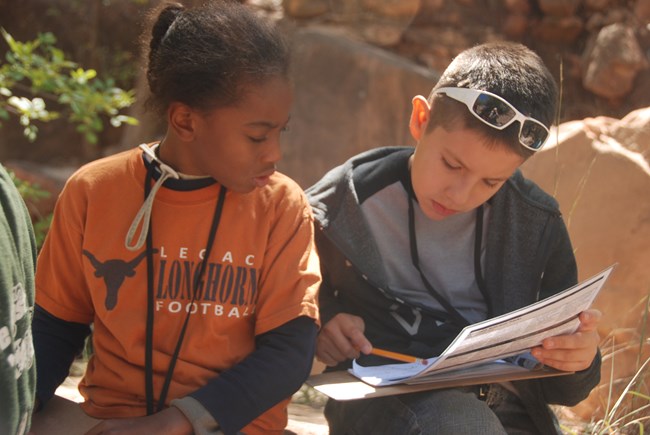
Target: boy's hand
[[169, 421], [572, 352], [341, 339]]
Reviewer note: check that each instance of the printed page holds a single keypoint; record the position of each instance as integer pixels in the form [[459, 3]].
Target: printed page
[[513, 333]]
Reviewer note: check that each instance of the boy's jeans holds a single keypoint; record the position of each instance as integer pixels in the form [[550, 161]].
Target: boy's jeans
[[450, 411]]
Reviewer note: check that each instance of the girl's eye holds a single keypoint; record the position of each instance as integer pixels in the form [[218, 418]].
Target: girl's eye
[[449, 165]]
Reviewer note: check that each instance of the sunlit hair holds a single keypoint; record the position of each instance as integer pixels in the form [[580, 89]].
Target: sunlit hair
[[206, 57], [507, 69]]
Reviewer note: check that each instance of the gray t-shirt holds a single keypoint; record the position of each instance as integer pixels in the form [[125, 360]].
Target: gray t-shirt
[[446, 252]]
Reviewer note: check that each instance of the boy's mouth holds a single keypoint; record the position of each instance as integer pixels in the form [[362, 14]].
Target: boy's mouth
[[441, 209]]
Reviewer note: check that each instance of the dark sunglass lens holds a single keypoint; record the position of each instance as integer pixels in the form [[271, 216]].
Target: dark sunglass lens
[[493, 110], [533, 135]]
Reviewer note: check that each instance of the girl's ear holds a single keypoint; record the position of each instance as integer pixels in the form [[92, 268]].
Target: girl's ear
[[182, 119], [419, 117]]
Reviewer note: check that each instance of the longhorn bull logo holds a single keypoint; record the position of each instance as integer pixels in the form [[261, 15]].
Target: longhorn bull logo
[[114, 272]]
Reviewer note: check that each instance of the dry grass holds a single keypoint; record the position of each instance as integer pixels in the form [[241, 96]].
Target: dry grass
[[626, 408]]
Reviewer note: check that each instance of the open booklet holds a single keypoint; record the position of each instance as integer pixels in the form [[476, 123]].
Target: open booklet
[[498, 347]]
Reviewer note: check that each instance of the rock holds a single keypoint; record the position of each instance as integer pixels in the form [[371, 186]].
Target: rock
[[595, 22], [436, 58], [572, 67], [305, 8], [559, 30], [642, 11], [517, 6], [392, 8], [559, 8], [515, 25], [612, 62], [597, 5], [599, 171], [432, 5], [382, 34], [265, 5], [437, 37], [634, 132], [344, 8], [349, 97], [385, 21], [618, 15], [430, 11]]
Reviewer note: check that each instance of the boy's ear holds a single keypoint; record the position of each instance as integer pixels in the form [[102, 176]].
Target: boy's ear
[[419, 117], [182, 119]]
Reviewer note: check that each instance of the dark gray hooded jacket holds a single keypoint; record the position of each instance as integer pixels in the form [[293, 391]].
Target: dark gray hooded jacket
[[528, 257]]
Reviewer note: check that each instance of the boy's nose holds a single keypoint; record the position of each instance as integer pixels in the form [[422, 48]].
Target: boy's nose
[[459, 193]]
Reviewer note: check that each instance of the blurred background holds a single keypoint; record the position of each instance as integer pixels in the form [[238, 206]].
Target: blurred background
[[356, 66]]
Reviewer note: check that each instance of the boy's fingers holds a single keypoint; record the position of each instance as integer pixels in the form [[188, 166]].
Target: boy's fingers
[[352, 328], [570, 352], [354, 340], [327, 351], [360, 342], [326, 358], [342, 338], [575, 360], [580, 340], [334, 342], [589, 319]]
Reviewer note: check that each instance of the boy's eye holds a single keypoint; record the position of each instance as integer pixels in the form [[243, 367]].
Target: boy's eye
[[257, 139], [449, 165], [490, 184]]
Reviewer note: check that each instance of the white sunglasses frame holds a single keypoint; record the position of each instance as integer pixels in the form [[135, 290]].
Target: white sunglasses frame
[[469, 96]]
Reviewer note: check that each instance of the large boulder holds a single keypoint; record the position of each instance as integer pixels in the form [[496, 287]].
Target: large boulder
[[349, 97], [612, 62], [598, 169]]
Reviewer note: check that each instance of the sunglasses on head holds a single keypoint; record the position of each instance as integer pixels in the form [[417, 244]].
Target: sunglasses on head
[[498, 113]]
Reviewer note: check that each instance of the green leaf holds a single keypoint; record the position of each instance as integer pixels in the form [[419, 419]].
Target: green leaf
[[47, 38], [42, 68]]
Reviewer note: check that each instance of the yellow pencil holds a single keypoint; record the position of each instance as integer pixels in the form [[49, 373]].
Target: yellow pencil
[[396, 356]]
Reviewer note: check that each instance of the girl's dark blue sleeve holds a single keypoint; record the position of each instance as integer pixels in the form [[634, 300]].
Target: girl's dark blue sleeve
[[273, 372], [56, 344]]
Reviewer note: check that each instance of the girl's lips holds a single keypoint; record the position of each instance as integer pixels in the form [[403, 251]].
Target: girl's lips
[[441, 209], [263, 180]]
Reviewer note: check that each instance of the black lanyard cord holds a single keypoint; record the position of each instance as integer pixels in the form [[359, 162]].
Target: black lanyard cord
[[148, 347], [150, 303], [455, 316], [478, 272]]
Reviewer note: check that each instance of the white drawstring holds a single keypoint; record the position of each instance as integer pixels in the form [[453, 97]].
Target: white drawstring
[[143, 217]]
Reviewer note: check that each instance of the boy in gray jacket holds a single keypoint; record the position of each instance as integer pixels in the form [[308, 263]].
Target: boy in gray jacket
[[417, 243]]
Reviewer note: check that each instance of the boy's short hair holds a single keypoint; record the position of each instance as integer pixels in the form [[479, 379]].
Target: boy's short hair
[[507, 69]]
